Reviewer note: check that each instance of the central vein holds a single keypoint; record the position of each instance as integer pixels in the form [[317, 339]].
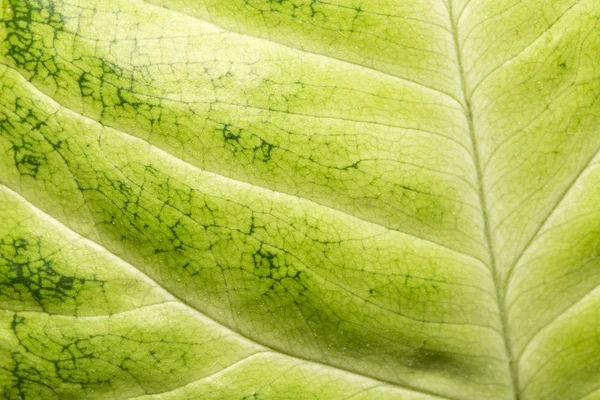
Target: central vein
[[500, 293]]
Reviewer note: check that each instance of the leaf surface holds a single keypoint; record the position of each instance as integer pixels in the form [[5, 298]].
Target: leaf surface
[[346, 199]]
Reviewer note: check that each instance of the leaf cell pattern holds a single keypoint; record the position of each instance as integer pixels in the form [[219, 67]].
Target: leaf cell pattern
[[293, 199]]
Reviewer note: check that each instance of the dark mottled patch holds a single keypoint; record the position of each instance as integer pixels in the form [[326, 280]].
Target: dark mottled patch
[[28, 274]]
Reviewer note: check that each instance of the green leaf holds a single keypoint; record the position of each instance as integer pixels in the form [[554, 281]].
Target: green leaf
[[299, 199]]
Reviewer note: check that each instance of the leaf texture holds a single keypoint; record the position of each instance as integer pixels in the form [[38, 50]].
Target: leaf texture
[[299, 199]]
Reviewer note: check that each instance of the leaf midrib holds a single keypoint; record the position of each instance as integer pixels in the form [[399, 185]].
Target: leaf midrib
[[496, 275]]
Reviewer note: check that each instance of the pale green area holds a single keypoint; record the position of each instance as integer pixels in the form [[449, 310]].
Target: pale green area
[[305, 199]]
